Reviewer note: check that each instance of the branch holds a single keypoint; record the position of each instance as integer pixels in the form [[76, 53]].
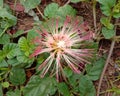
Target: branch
[[107, 62]]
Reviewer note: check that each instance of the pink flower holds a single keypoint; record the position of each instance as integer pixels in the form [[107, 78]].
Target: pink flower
[[64, 46]]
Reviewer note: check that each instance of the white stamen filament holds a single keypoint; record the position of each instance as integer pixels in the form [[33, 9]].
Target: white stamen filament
[[61, 44]]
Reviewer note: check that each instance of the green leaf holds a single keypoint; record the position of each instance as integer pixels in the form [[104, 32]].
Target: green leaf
[[105, 21], [14, 62], [108, 33], [51, 10], [12, 53], [31, 35], [18, 33], [106, 2], [30, 4], [22, 58], [40, 59], [106, 6], [116, 10], [3, 63], [1, 4], [76, 1], [17, 76], [68, 72], [94, 70], [24, 45], [5, 84], [1, 93], [116, 90], [54, 11], [10, 46], [10, 19], [4, 23], [14, 93], [116, 14], [4, 39], [63, 89], [39, 87], [66, 10], [86, 87], [73, 79], [2, 55], [10, 50]]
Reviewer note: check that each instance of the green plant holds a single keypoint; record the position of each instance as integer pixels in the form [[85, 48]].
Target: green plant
[[110, 10], [59, 43]]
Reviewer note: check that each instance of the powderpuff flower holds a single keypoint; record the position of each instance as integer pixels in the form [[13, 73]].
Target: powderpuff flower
[[64, 45]]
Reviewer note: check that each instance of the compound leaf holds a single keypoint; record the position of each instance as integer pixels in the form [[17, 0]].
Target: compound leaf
[[30, 4], [39, 87], [17, 76], [86, 87]]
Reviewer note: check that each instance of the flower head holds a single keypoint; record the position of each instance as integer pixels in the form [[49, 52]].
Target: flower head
[[64, 46]]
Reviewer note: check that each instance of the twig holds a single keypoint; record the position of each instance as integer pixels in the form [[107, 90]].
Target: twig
[[31, 69], [117, 24], [40, 12], [105, 67], [106, 64], [94, 15], [67, 2]]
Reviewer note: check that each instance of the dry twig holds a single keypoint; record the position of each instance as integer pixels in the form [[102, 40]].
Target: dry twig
[[107, 62]]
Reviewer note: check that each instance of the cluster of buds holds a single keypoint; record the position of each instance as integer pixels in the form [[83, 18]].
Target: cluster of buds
[[63, 43]]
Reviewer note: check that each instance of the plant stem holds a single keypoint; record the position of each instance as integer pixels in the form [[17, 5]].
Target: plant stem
[[4, 31], [106, 63], [41, 13], [117, 38], [110, 17], [67, 2], [94, 15], [105, 67], [15, 2]]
